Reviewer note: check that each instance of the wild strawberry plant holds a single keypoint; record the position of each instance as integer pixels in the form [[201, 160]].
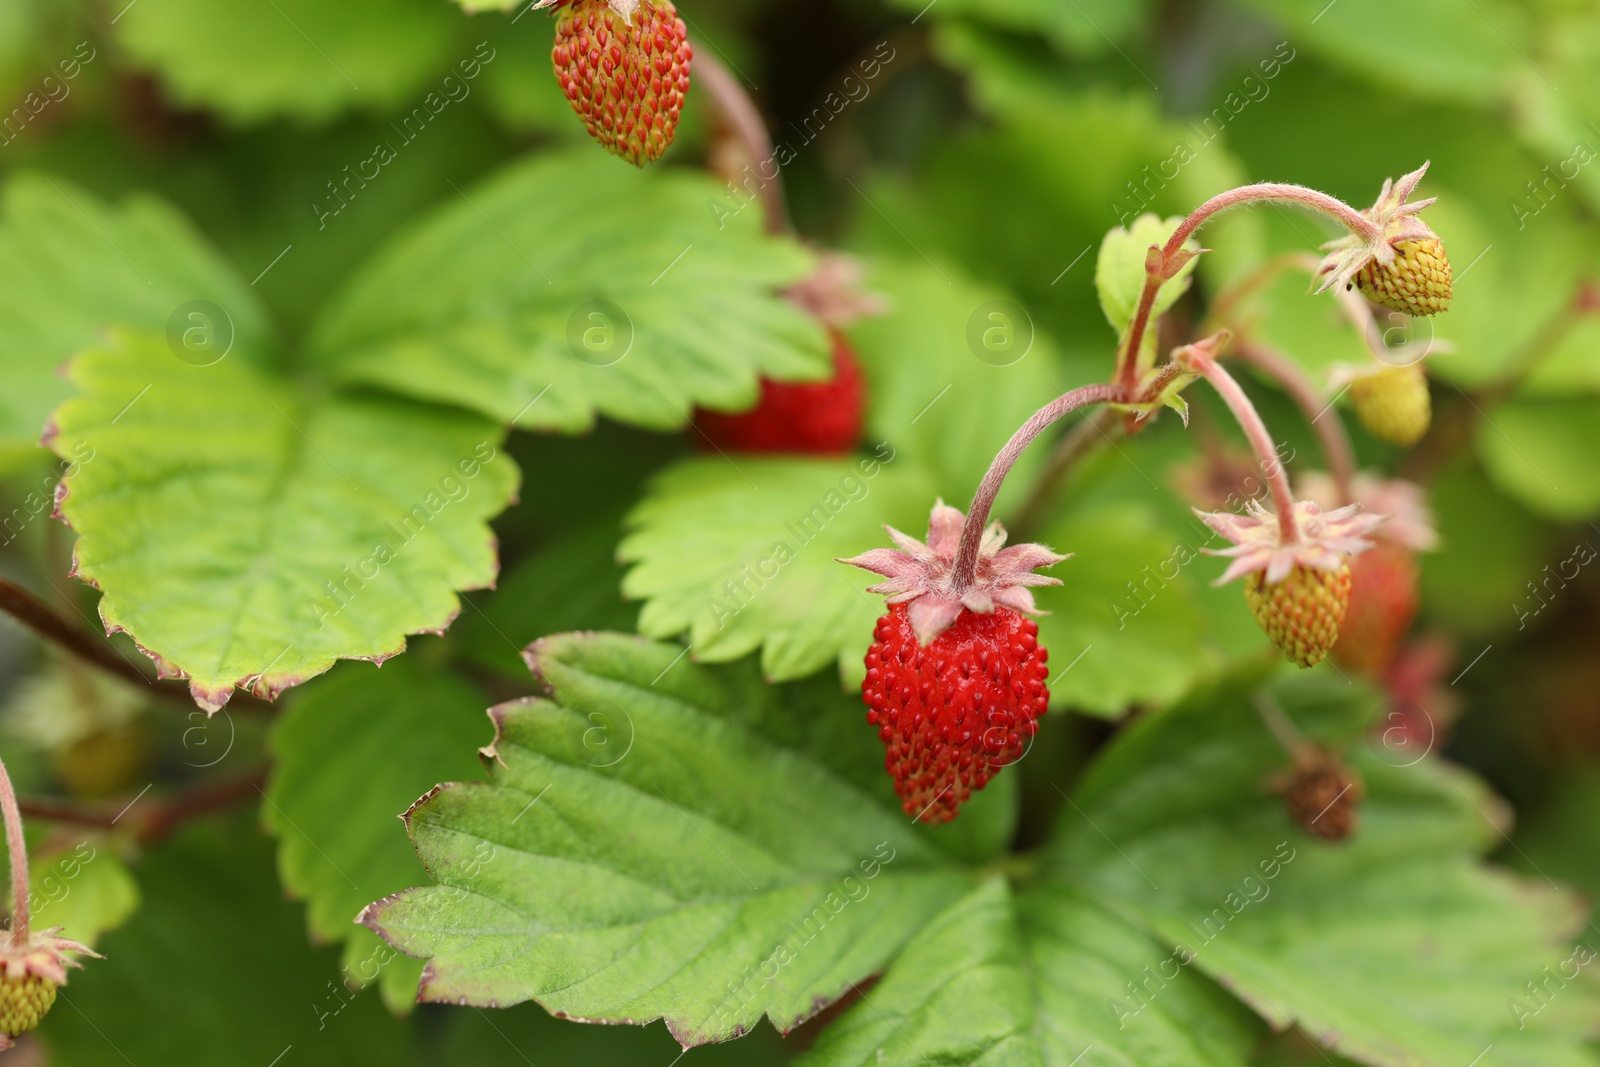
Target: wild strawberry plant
[[885, 662]]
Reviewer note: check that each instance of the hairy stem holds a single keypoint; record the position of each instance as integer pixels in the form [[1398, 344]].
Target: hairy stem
[[744, 118], [1260, 442], [1079, 443], [1324, 417], [966, 565], [1264, 192], [19, 859]]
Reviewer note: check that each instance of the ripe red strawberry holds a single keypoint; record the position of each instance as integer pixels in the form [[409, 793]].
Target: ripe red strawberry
[[816, 418], [954, 712], [624, 65], [1383, 603], [955, 678]]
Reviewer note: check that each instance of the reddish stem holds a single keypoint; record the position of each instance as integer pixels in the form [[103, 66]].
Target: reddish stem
[[966, 565], [1264, 192], [744, 118], [1324, 418], [158, 819], [1260, 441], [19, 859]]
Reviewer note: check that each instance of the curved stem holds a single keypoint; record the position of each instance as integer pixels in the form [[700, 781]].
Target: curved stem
[[744, 118], [1324, 417], [1260, 442], [1095, 430], [966, 565], [19, 859], [155, 819], [48, 624], [1263, 192]]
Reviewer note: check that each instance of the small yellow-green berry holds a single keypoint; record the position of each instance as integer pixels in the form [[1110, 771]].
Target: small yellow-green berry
[[1302, 613], [24, 1001], [1418, 282], [1394, 404]]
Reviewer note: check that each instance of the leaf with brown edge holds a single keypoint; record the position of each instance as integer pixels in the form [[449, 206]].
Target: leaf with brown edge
[[245, 534], [664, 840]]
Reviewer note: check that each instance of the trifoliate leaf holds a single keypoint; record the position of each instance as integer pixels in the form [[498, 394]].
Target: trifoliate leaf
[[952, 370], [568, 287], [84, 888], [744, 857], [999, 978], [260, 59], [1119, 273], [216, 938], [70, 266], [246, 534], [1542, 453], [352, 754], [1124, 627], [1396, 947], [740, 552]]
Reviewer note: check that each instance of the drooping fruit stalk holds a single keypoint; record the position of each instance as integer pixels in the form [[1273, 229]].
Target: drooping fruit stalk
[[32, 965]]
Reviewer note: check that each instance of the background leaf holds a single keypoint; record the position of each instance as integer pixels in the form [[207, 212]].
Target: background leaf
[[569, 286], [70, 266], [352, 755], [256, 561]]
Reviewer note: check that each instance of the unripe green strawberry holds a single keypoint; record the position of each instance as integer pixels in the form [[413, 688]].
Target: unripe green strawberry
[[24, 1000], [1302, 613], [1394, 403], [624, 67], [1417, 283]]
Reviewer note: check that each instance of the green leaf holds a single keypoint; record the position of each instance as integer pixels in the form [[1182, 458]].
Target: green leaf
[[351, 755], [1024, 980], [740, 553], [570, 286], [259, 59], [1465, 53], [1124, 627], [1542, 453], [733, 862], [1119, 273], [572, 583], [85, 889], [247, 534], [216, 939], [1081, 28], [1396, 947], [952, 370], [70, 265]]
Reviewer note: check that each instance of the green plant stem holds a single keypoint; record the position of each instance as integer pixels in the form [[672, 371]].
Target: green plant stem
[[18, 847]]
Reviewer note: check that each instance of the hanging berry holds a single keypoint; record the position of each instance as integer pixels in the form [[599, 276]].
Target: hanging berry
[[955, 678], [624, 67]]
